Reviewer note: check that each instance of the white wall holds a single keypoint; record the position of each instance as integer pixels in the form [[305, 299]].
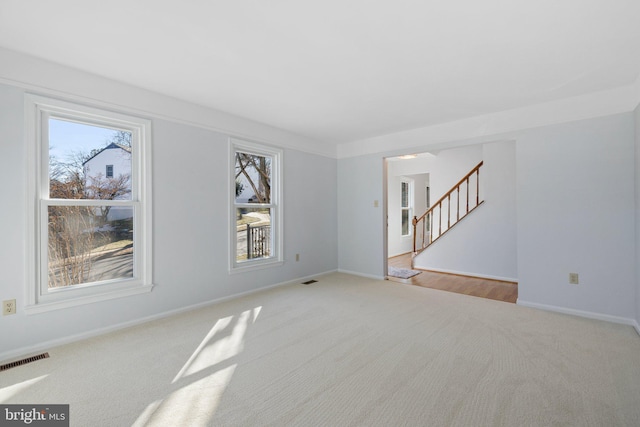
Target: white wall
[[484, 243], [190, 209], [576, 214], [449, 166], [421, 181]]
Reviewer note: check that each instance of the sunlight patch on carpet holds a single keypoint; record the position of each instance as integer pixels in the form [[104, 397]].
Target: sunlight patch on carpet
[[194, 404], [218, 345], [7, 392]]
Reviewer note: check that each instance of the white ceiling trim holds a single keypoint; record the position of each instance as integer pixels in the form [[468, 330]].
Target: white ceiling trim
[[48, 78], [615, 101]]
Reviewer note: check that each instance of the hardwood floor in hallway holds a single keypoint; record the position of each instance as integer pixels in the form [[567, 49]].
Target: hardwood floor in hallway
[[475, 286]]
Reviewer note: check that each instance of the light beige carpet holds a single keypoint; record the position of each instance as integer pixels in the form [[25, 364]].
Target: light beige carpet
[[346, 351]]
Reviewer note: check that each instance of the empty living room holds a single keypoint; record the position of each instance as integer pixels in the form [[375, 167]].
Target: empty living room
[[200, 200]]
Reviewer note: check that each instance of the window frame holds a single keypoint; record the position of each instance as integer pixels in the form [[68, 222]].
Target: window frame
[[409, 207], [38, 111], [108, 171], [276, 206]]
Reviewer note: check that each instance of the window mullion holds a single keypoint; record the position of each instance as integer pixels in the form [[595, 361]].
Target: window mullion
[[43, 146], [90, 202]]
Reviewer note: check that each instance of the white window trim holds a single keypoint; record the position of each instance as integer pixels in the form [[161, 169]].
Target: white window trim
[[409, 208], [38, 109], [276, 202]]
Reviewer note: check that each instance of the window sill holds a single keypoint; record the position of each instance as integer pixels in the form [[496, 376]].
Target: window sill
[[86, 299], [255, 266]]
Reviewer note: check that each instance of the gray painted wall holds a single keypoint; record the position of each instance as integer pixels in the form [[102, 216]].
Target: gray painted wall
[[360, 223], [637, 169], [190, 230], [575, 214], [575, 211]]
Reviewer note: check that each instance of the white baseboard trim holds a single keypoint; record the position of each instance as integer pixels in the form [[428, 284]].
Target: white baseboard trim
[[636, 326], [464, 273], [581, 313], [355, 273], [19, 353]]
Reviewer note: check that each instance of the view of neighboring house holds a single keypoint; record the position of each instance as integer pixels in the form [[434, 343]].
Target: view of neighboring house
[[110, 169]]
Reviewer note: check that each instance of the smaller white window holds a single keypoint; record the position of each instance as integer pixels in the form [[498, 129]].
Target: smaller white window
[[406, 205], [109, 172], [255, 188]]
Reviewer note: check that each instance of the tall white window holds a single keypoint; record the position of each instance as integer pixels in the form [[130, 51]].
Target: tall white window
[[256, 206], [406, 205], [90, 200]]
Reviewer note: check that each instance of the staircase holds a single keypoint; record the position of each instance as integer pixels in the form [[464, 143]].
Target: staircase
[[462, 199]]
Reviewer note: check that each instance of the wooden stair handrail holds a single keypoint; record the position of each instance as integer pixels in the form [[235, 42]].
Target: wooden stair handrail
[[438, 204], [448, 193]]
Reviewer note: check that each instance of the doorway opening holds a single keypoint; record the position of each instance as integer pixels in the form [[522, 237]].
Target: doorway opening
[[411, 184]]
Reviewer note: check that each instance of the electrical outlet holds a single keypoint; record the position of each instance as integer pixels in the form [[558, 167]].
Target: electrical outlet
[[8, 307], [573, 278]]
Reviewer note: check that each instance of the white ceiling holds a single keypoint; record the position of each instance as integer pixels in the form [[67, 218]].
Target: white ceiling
[[339, 71]]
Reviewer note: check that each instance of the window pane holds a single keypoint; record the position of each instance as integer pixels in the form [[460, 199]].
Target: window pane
[[89, 244], [88, 162], [405, 222], [405, 195], [253, 233], [253, 178]]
